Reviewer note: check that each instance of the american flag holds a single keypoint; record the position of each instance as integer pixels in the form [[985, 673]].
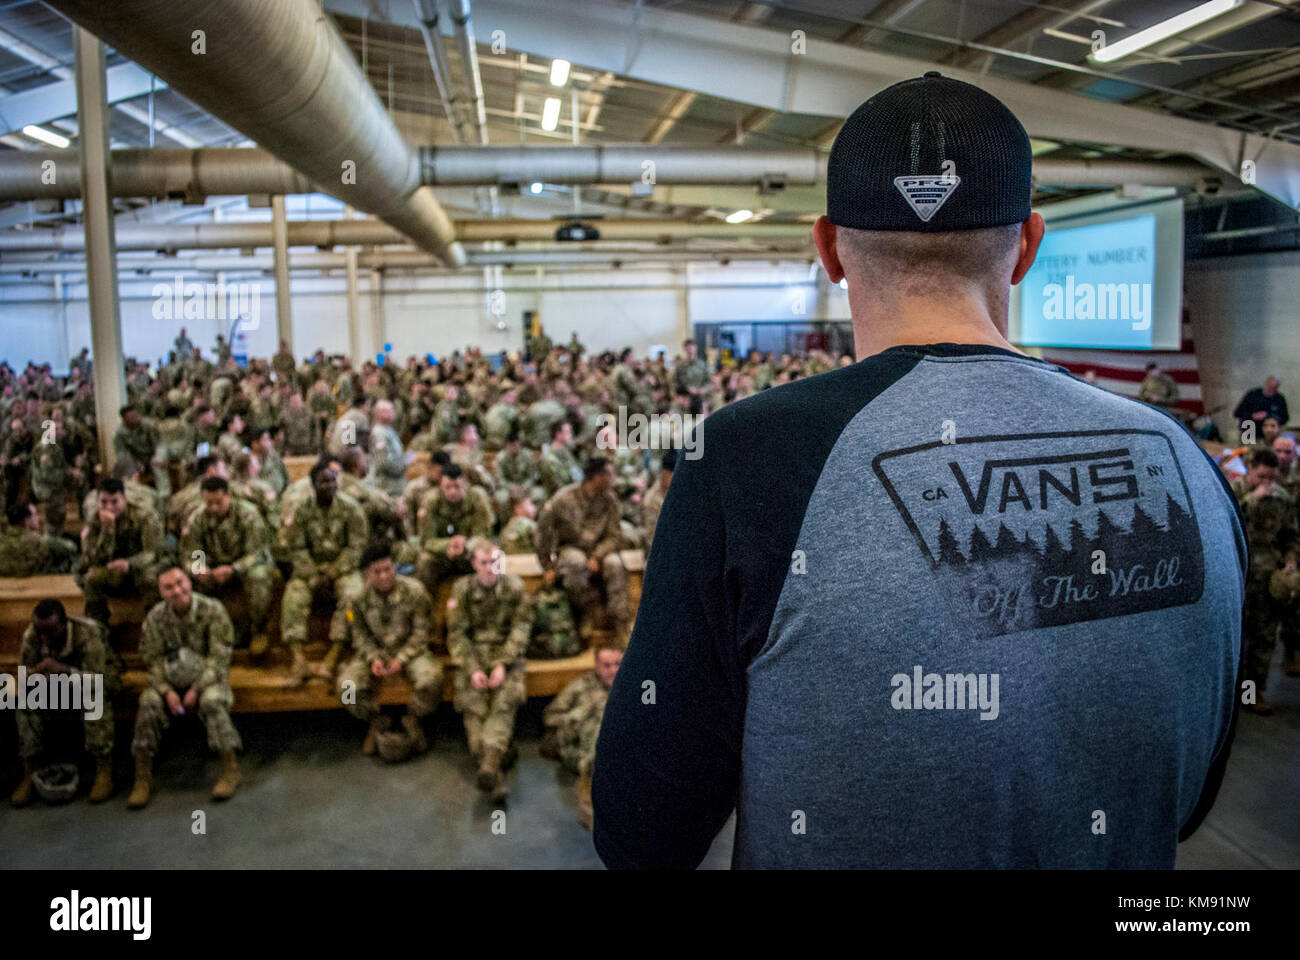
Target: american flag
[[1122, 371]]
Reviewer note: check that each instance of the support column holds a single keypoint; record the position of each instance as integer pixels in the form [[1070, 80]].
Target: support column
[[378, 325], [354, 300], [683, 311], [101, 250], [283, 303]]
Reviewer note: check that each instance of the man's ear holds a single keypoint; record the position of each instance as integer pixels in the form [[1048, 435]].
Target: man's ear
[[1031, 235], [824, 237]]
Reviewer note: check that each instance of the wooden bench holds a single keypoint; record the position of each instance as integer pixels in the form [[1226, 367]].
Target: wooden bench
[[299, 467], [260, 688]]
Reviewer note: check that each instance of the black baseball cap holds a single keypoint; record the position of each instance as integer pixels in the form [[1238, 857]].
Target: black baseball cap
[[930, 155]]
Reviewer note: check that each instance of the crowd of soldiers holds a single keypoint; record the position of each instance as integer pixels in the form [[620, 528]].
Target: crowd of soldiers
[[197, 517]]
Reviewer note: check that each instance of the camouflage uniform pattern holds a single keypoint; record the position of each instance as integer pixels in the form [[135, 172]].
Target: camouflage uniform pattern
[[1266, 520], [554, 633], [391, 626], [574, 526], [25, 553], [487, 627], [52, 482], [519, 535], [137, 536], [206, 630], [85, 649], [240, 539], [575, 716], [321, 544], [556, 469], [387, 461], [439, 520]]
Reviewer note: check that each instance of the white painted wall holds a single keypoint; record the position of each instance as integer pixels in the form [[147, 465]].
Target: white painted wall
[[1245, 314], [609, 309]]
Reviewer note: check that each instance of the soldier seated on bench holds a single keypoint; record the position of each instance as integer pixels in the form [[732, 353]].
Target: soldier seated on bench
[[388, 626], [225, 543], [26, 552], [323, 538], [120, 547], [55, 643], [185, 647], [578, 541]]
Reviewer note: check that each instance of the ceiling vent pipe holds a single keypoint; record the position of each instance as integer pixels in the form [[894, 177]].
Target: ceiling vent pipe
[[280, 74]]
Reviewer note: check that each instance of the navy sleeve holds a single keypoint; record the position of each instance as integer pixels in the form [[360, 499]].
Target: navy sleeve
[[668, 759]]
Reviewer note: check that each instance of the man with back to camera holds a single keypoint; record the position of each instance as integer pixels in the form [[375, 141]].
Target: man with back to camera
[[947, 606]]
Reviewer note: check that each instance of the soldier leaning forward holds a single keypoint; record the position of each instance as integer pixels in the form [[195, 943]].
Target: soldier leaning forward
[[388, 628]]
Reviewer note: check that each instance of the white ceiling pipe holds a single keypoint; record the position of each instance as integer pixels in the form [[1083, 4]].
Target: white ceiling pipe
[[280, 74]]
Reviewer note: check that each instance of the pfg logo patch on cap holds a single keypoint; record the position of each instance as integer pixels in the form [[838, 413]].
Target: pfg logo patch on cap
[[925, 195]]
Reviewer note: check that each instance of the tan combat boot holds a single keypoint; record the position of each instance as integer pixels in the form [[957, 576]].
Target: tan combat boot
[[102, 788], [300, 669], [583, 789], [22, 794], [143, 781], [257, 646], [225, 786], [411, 724], [325, 669], [378, 725], [500, 792], [489, 771]]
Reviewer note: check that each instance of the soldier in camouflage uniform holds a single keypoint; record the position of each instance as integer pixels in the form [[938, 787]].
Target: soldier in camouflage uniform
[[572, 722], [323, 538], [654, 500], [271, 469], [136, 438], [691, 376], [16, 459], [489, 619], [381, 513], [185, 647], [554, 633], [417, 488], [388, 628], [1158, 388], [501, 421], [1288, 477], [515, 467], [120, 550], [225, 544], [55, 643], [1270, 515], [448, 518], [26, 552], [520, 534], [53, 474], [387, 458], [557, 467], [176, 442], [301, 429], [578, 541]]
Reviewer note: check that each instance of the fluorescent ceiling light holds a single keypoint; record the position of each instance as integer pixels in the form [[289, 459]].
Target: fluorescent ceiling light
[[551, 113], [1163, 30], [45, 136], [559, 72], [740, 216], [535, 186], [844, 283]]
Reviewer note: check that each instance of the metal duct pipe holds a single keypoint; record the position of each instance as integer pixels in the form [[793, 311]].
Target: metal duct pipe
[[465, 166], [1117, 173], [235, 171], [426, 11], [460, 18], [281, 75], [189, 174], [410, 260], [331, 233]]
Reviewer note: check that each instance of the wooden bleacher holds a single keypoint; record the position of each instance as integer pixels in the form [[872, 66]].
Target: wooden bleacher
[[260, 688]]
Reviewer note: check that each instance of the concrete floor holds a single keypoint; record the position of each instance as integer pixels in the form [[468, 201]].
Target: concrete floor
[[309, 799]]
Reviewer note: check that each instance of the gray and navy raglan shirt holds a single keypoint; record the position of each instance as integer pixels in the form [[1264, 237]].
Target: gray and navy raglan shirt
[[946, 607]]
